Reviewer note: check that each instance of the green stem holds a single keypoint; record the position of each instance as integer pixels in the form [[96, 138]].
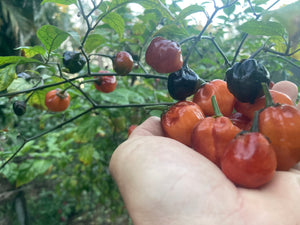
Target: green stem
[[268, 97], [215, 106], [254, 127]]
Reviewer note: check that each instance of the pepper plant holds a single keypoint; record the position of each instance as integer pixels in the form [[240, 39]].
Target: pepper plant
[[71, 149]]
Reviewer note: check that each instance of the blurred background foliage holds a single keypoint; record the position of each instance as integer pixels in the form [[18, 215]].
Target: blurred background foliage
[[63, 177]]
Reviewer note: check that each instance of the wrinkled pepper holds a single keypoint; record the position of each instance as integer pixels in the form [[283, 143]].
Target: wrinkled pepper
[[244, 80]]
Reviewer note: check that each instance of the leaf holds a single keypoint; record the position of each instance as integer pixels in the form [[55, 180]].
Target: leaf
[[266, 28], [189, 11], [30, 169], [138, 28], [116, 22], [75, 37], [86, 154], [37, 99], [30, 51], [51, 37], [63, 2], [16, 60], [289, 18], [93, 42], [10, 171], [122, 96], [18, 85], [7, 75], [87, 130], [229, 10], [171, 31]]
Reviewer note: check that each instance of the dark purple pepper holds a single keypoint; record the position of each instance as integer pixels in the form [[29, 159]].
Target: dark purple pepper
[[244, 80]]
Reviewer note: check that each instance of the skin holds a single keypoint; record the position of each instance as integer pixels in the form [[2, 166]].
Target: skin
[[165, 182]]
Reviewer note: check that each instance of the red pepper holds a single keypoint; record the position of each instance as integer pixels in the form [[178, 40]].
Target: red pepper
[[281, 124], [219, 89], [211, 135], [249, 159]]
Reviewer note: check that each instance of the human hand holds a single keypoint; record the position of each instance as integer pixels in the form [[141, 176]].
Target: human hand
[[165, 182]]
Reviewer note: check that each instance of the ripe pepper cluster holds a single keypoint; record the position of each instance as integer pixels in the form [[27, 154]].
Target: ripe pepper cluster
[[247, 130]]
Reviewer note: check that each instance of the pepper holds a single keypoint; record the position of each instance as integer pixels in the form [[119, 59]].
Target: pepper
[[244, 80], [211, 135], [281, 124], [73, 61], [249, 160], [248, 109], [183, 83], [218, 88]]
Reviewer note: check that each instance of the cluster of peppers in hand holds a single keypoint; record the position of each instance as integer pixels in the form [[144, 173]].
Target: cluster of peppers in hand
[[247, 130]]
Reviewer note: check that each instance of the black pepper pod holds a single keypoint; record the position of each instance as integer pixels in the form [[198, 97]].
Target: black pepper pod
[[73, 61], [19, 107], [244, 80], [183, 83]]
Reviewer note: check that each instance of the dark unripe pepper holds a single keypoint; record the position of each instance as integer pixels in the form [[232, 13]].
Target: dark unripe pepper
[[73, 61], [244, 80], [183, 83], [19, 107]]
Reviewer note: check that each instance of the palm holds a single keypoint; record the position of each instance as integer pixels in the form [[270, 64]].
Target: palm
[[165, 182]]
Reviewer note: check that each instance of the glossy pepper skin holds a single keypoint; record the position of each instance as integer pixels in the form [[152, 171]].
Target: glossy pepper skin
[[163, 55], [248, 109], [183, 83], [244, 80], [249, 160], [179, 120], [224, 98], [73, 61], [281, 124], [211, 136]]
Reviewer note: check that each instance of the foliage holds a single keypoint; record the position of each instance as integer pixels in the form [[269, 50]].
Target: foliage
[[71, 150]]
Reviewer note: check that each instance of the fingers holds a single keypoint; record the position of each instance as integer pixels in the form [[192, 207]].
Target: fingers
[[288, 88], [151, 127]]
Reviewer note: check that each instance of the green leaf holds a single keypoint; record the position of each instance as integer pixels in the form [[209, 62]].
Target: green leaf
[[16, 60], [189, 11], [51, 37], [122, 96], [30, 169], [10, 171], [63, 2], [171, 31], [75, 37], [86, 154], [266, 28], [93, 42], [87, 129], [116, 22], [31, 51], [229, 10], [7, 75], [18, 85], [138, 28], [37, 99]]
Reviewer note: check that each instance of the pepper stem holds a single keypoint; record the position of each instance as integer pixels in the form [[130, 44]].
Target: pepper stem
[[254, 126], [268, 96], [215, 106]]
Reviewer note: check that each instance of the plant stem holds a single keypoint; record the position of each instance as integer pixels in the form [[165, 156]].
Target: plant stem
[[216, 107]]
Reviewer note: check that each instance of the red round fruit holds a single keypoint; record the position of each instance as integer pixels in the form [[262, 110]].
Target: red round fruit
[[105, 84], [249, 160], [178, 122], [164, 56], [122, 63], [57, 101], [131, 128]]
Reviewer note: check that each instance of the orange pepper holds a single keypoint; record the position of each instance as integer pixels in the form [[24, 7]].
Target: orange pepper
[[224, 98]]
